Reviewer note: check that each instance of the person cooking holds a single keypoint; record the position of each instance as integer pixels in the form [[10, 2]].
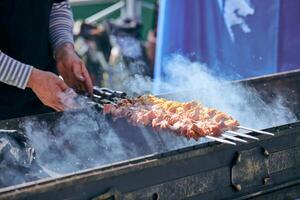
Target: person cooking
[[36, 36]]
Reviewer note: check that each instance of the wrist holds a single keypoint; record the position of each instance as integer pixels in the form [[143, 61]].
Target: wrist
[[63, 50], [32, 78]]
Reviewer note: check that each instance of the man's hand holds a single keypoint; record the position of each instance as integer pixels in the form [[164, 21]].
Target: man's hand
[[72, 69], [49, 88]]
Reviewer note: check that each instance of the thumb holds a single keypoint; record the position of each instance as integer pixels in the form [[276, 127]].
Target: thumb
[[62, 85], [78, 72]]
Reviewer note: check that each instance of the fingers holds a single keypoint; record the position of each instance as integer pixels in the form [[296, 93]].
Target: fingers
[[81, 73], [75, 73], [77, 70], [59, 101], [62, 85], [78, 82], [63, 103], [56, 108], [56, 103], [88, 81], [49, 87], [67, 99]]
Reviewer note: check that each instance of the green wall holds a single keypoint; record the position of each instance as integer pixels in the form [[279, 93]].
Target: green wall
[[84, 11]]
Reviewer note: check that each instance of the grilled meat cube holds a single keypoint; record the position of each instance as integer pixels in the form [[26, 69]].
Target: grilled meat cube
[[231, 123], [190, 119], [108, 108]]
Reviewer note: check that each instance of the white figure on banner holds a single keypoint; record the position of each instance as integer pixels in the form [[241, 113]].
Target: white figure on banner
[[234, 13]]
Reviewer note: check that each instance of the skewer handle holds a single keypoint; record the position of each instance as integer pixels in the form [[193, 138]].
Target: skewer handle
[[7, 131], [233, 138], [242, 135], [220, 140], [254, 130]]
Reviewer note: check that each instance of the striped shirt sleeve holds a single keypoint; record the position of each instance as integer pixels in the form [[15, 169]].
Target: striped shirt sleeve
[[61, 25], [13, 72]]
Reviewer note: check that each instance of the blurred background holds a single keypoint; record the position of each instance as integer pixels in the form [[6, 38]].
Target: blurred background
[[116, 39], [235, 39]]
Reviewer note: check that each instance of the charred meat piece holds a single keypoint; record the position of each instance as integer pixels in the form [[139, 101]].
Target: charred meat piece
[[189, 119]]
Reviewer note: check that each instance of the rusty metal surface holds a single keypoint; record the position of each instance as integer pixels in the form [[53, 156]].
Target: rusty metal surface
[[250, 168]]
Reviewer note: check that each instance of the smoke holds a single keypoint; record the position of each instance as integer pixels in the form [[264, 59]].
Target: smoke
[[83, 139], [75, 141], [137, 84], [194, 81], [131, 47]]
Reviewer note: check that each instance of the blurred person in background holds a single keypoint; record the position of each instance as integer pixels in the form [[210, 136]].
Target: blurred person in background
[[93, 44], [113, 51], [32, 34]]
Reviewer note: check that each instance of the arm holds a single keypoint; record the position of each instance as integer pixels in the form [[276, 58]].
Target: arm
[[60, 25], [13, 72], [47, 86], [69, 65]]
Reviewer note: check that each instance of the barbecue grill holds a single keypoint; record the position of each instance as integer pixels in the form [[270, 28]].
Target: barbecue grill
[[265, 167]]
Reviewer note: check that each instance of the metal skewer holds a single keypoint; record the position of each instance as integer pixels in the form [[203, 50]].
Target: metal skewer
[[233, 138], [101, 94], [7, 131], [242, 135], [220, 140], [253, 130]]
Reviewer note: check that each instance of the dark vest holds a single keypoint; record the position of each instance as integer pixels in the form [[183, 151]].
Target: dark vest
[[24, 36]]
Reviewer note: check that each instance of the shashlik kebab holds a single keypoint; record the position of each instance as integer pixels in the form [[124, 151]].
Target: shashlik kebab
[[189, 119]]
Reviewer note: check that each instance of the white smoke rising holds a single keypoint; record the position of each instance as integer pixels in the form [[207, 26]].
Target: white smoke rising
[[132, 46], [198, 83], [137, 84], [84, 139], [76, 141]]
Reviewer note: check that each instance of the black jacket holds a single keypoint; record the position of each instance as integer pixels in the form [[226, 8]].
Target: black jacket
[[24, 35]]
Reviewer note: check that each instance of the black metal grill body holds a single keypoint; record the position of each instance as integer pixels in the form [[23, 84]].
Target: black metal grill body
[[265, 168], [269, 168]]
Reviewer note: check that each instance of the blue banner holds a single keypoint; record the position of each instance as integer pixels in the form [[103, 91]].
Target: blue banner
[[235, 38]]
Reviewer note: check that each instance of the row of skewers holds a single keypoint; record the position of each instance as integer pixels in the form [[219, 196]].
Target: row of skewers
[[188, 119]]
